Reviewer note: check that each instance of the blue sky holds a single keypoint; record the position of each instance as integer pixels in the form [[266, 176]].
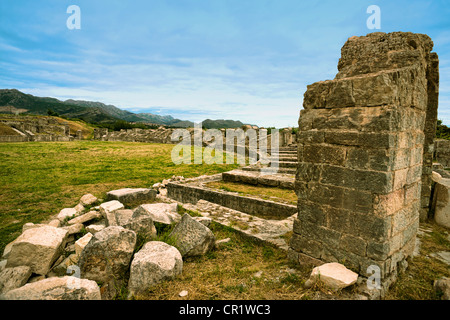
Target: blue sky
[[247, 60]]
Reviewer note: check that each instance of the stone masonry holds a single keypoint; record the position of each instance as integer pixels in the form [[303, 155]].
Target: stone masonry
[[361, 149]]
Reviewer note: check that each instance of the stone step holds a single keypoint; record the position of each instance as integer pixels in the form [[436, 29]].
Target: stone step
[[280, 170], [285, 158], [286, 153], [287, 164], [284, 181]]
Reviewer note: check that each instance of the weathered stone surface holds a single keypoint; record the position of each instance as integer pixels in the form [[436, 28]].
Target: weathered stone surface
[[65, 288], [67, 213], [380, 51], [108, 254], [88, 199], [107, 210], [73, 229], [154, 263], [31, 225], [364, 153], [91, 215], [82, 242], [130, 196], [143, 226], [442, 287], [334, 275], [55, 223], [442, 152], [79, 208], [37, 248], [61, 269], [3, 264], [159, 212], [442, 202], [123, 216], [13, 278], [192, 237], [94, 228], [206, 221]]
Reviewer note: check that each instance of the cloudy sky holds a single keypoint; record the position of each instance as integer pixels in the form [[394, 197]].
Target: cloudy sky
[[247, 60]]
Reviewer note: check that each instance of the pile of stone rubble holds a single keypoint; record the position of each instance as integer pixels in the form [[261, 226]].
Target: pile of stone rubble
[[95, 250]]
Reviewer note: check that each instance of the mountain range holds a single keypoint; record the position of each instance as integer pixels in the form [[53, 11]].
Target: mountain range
[[15, 101]]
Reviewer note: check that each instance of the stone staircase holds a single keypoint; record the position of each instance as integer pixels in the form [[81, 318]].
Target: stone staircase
[[287, 161]]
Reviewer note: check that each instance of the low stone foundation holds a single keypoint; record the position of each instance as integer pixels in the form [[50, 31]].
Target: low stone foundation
[[193, 192]]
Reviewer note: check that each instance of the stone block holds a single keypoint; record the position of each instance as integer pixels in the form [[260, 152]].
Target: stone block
[[37, 248], [374, 181], [324, 154], [131, 197], [192, 237], [55, 288], [13, 278], [108, 254], [334, 275], [442, 204], [154, 263]]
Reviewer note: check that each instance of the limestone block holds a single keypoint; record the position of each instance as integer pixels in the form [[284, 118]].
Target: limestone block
[[31, 225], [192, 238], [55, 223], [154, 263], [65, 288], [334, 275], [61, 269], [37, 248], [88, 199], [389, 87], [13, 278], [130, 196], [74, 228], [123, 216], [94, 228], [82, 242], [442, 204], [143, 226], [91, 215], [159, 212], [107, 210], [108, 254], [79, 208], [67, 213]]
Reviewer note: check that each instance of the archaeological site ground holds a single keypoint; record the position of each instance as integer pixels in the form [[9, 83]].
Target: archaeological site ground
[[357, 208]]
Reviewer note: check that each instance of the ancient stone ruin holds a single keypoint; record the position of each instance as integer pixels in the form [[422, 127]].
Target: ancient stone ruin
[[31, 128], [365, 155], [361, 166]]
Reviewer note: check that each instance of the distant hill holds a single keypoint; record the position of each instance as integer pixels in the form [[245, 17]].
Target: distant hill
[[15, 101]]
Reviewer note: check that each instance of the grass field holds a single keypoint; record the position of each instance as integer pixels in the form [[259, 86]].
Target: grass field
[[37, 180]]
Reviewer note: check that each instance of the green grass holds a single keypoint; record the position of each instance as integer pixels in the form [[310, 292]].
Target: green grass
[[38, 179]]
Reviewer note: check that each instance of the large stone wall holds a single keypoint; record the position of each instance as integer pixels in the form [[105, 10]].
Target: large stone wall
[[164, 135], [361, 140], [31, 128], [442, 152]]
